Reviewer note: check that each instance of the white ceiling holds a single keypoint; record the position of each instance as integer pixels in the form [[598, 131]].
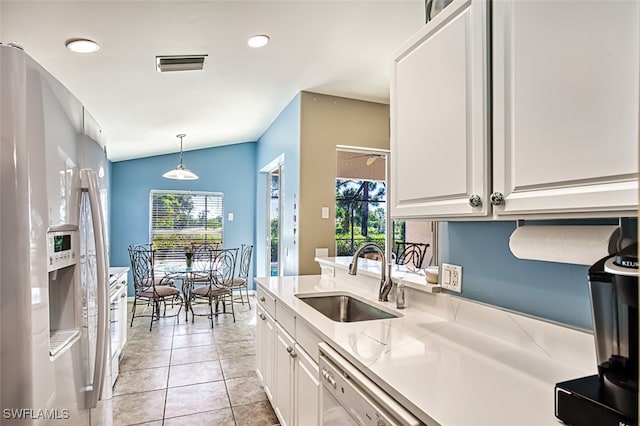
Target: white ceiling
[[339, 48]]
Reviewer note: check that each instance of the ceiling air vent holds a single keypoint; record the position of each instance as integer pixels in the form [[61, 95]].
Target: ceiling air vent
[[180, 63]]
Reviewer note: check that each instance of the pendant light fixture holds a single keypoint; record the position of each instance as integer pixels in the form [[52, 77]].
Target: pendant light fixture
[[180, 172]]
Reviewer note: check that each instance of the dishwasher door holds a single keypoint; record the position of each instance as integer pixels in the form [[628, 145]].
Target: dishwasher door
[[351, 398], [333, 413]]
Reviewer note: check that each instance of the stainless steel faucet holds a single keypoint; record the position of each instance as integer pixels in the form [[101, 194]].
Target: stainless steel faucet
[[385, 274]]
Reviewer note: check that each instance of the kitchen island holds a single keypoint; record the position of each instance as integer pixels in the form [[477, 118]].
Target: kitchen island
[[449, 361]]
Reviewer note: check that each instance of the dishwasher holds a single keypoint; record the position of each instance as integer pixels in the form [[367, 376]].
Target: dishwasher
[[351, 398]]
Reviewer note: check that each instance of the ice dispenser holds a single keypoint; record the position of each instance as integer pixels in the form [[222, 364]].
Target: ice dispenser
[[64, 303]]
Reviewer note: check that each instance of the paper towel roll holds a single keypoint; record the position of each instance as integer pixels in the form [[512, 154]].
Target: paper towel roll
[[581, 245]]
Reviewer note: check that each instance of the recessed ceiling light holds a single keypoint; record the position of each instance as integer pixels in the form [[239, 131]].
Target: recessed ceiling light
[[258, 40], [82, 45]]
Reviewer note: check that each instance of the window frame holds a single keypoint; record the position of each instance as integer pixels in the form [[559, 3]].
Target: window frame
[[151, 233]]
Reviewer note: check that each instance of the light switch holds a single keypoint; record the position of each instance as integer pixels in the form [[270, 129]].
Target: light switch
[[325, 212], [230, 217]]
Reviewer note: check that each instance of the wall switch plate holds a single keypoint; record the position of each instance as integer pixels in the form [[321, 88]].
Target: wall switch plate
[[322, 252], [325, 212], [230, 217], [451, 277]]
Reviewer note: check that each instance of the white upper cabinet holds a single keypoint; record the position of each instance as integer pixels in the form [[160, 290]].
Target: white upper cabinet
[[556, 135], [565, 107], [439, 131]]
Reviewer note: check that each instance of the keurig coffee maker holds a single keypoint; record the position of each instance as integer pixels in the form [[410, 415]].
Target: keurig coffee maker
[[611, 396]]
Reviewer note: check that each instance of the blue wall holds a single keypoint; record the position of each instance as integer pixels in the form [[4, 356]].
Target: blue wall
[[493, 275], [282, 137], [229, 169]]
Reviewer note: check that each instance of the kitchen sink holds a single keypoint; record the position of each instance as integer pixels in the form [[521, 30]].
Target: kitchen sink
[[343, 307]]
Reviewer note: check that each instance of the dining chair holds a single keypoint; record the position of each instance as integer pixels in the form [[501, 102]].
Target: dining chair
[[147, 288], [241, 281], [201, 262], [216, 289], [411, 254]]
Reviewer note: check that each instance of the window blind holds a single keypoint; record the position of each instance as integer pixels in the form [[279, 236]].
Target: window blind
[[181, 219]]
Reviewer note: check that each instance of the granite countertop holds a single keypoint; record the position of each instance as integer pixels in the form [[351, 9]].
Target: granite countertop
[[441, 371]]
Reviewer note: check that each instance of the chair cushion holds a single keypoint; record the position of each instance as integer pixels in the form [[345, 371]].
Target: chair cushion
[[206, 290], [239, 282], [161, 291]]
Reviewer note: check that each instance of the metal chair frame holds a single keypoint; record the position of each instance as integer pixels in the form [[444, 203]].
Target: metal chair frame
[[242, 280], [411, 253], [146, 287], [214, 288]]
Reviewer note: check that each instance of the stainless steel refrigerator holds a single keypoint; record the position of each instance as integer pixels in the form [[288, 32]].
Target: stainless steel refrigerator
[[54, 328]]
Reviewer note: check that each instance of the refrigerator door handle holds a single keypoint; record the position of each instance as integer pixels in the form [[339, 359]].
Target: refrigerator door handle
[[90, 182]]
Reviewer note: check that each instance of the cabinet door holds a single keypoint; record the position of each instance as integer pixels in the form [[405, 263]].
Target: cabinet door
[[439, 116], [283, 379], [265, 341], [307, 389], [122, 321], [565, 106]]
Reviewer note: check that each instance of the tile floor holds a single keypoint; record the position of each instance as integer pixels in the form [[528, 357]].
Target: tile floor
[[183, 373]]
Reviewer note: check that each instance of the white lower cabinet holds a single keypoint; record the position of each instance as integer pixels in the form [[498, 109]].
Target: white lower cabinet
[[283, 400], [307, 389], [265, 338], [290, 375], [122, 321]]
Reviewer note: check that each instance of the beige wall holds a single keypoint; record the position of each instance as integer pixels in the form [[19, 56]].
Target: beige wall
[[327, 121]]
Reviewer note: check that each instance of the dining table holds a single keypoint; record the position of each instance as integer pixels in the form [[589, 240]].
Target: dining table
[[186, 274]]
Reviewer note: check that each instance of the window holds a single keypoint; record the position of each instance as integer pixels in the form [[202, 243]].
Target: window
[[182, 218], [360, 214]]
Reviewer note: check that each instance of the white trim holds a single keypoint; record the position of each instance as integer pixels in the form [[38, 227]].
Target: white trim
[[273, 164]]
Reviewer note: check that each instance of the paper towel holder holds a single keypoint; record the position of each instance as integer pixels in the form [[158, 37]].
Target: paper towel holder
[[625, 236]]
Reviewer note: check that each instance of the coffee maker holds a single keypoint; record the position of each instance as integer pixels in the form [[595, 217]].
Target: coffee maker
[[611, 396]]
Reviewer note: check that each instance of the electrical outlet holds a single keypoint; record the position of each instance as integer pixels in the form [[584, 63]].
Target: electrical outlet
[[451, 277]]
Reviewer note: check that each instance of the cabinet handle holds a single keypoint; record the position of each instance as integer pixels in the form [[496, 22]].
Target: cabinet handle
[[262, 317], [497, 198], [262, 299], [123, 295], [289, 349], [293, 354], [475, 201]]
